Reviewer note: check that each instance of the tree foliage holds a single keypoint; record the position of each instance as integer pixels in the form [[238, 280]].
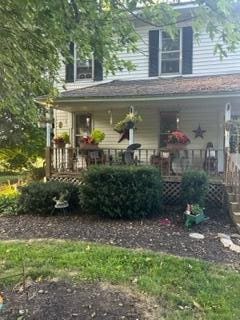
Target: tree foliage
[[34, 34]]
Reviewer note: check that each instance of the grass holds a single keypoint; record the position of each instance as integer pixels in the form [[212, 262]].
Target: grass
[[187, 288]]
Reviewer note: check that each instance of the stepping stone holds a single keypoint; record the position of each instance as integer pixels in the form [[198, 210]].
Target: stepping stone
[[226, 242], [197, 236], [223, 235]]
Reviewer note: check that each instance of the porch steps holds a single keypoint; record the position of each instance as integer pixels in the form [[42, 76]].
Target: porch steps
[[236, 216], [234, 207]]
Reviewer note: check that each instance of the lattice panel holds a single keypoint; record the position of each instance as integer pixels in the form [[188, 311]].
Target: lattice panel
[[68, 179], [216, 195], [171, 192]]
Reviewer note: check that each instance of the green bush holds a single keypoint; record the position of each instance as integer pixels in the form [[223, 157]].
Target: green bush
[[8, 204], [38, 197], [122, 192], [37, 173], [194, 187]]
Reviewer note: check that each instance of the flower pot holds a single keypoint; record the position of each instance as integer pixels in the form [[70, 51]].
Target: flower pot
[[60, 145], [177, 146], [88, 146]]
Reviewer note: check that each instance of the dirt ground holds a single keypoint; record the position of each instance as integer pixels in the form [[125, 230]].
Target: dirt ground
[[87, 301], [151, 234]]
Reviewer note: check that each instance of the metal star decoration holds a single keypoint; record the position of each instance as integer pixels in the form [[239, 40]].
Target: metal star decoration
[[199, 132]]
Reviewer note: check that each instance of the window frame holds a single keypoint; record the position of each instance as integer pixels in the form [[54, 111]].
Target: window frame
[[180, 54], [75, 68]]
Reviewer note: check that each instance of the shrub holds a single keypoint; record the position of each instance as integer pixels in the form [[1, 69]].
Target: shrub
[[38, 197], [194, 187], [9, 204], [37, 173], [122, 192]]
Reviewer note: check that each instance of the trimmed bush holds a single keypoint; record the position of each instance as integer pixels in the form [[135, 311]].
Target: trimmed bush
[[194, 187], [122, 192], [38, 197]]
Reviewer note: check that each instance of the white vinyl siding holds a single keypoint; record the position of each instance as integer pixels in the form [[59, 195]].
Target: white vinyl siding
[[206, 63]]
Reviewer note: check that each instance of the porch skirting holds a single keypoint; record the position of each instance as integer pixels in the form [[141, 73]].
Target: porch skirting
[[171, 190]]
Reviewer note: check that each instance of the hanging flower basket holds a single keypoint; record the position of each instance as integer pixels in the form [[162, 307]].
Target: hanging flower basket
[[177, 140], [129, 122]]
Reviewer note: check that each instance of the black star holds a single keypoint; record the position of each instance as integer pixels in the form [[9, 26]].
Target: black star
[[199, 132]]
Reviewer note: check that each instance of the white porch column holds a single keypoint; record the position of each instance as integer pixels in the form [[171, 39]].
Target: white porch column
[[131, 131]]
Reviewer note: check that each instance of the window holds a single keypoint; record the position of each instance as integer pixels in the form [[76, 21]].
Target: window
[[83, 68], [83, 126], [168, 123], [170, 53]]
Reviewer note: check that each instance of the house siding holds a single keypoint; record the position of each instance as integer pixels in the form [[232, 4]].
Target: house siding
[[205, 62]]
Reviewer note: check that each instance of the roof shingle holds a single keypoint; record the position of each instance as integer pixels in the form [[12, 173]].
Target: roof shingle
[[178, 86]]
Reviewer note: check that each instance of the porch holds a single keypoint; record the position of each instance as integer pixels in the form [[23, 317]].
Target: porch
[[172, 163]]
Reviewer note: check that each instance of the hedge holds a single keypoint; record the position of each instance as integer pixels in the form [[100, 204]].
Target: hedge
[[122, 192]]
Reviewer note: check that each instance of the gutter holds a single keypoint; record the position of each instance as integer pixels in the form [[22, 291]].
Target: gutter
[[143, 98]]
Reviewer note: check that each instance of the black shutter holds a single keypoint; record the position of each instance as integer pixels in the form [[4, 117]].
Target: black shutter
[[70, 66], [98, 70], [187, 50], [153, 53]]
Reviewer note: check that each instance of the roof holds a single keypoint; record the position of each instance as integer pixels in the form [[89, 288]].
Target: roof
[[162, 87]]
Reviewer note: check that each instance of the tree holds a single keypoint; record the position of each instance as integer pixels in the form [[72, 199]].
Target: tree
[[35, 37], [21, 141]]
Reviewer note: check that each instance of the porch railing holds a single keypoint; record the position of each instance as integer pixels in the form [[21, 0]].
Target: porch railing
[[170, 162]]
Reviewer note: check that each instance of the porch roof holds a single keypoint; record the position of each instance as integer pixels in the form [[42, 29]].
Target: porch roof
[[161, 87]]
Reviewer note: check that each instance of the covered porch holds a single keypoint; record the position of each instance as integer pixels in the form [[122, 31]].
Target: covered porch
[[164, 105]]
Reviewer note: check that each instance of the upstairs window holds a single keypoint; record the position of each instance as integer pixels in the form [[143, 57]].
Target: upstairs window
[[170, 56], [170, 53], [83, 68]]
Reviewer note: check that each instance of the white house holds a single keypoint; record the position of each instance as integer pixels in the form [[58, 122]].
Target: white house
[[177, 84]]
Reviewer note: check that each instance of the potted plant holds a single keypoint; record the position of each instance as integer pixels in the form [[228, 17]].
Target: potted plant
[[61, 140], [194, 214], [90, 142], [177, 140], [129, 122]]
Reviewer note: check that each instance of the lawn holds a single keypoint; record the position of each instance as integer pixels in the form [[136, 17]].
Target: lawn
[[187, 288]]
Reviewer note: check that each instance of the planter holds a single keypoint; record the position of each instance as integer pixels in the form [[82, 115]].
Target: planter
[[173, 146], [194, 219], [88, 146], [60, 145]]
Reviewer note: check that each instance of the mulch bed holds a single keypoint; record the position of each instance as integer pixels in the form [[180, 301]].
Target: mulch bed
[[146, 234], [85, 301]]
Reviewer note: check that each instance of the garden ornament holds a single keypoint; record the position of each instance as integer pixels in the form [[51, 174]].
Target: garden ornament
[[61, 203]]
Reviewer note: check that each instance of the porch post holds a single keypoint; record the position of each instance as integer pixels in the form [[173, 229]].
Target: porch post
[[48, 143], [131, 130]]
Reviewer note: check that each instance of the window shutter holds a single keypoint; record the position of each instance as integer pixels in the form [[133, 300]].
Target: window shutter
[[153, 53], [70, 66], [187, 51], [98, 70]]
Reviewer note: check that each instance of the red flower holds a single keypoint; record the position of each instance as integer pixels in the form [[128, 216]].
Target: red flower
[[178, 137]]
